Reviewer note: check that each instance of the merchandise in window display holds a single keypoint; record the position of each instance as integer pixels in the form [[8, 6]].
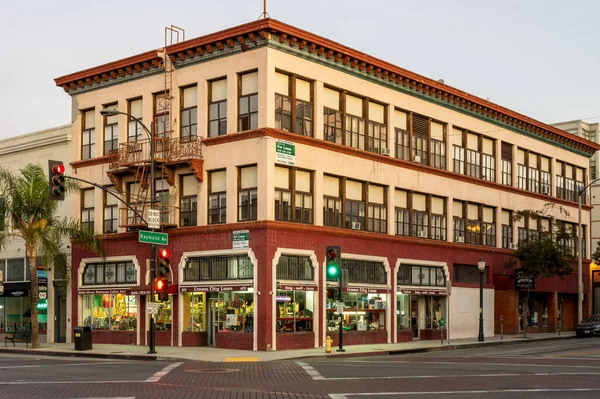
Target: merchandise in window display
[[362, 312], [164, 318], [295, 311], [235, 312], [116, 312], [195, 305]]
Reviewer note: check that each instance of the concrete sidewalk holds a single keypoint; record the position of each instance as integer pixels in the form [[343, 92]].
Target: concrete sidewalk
[[109, 351]]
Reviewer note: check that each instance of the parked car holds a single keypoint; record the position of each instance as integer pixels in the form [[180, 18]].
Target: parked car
[[589, 327]]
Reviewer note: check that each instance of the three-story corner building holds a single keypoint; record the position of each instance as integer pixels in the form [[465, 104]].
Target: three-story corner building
[[15, 307], [271, 143]]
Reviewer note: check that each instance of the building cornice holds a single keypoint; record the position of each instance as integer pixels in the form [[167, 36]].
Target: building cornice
[[31, 142], [300, 42]]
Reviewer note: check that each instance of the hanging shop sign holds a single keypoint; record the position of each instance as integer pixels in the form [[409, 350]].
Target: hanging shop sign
[[368, 290], [524, 280], [241, 239], [293, 287], [214, 288], [42, 283]]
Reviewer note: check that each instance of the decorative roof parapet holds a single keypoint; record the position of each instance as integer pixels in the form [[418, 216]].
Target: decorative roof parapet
[[247, 36]]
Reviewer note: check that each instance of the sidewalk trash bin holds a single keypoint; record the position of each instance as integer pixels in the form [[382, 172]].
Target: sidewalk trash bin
[[83, 338]]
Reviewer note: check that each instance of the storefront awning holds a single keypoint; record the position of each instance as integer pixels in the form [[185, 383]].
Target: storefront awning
[[14, 290], [367, 290], [135, 290]]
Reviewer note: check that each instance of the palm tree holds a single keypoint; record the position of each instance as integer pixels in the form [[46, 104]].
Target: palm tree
[[30, 215]]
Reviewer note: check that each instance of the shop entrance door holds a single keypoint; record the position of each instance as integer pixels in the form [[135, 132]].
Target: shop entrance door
[[414, 317], [60, 319], [213, 321]]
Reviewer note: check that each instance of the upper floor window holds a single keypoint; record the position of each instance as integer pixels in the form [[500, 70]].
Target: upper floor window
[[134, 128], [87, 208], [247, 193], [88, 134], [111, 131], [349, 204], [420, 139], [421, 275], [110, 212], [109, 273], [569, 181], [507, 228], [354, 122], [217, 197], [420, 215], [248, 102], [293, 105], [507, 159], [189, 114], [162, 120], [217, 108], [533, 172], [219, 268], [529, 228], [188, 203], [474, 224], [293, 195], [473, 155]]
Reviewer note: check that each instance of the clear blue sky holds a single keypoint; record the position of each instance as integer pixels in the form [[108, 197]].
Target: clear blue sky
[[537, 57]]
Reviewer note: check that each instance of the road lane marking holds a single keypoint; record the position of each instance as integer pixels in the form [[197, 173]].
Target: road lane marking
[[348, 363], [310, 370], [347, 395], [403, 377], [57, 365], [69, 382], [159, 374]]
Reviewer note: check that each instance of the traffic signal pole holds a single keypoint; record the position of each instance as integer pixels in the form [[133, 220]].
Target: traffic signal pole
[[341, 327]]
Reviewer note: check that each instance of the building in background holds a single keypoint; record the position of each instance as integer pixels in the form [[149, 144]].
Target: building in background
[[272, 143], [16, 152]]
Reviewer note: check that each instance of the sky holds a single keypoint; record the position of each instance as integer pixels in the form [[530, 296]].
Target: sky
[[540, 58]]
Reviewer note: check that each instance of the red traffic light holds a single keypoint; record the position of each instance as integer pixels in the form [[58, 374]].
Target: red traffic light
[[160, 285], [58, 169], [164, 253]]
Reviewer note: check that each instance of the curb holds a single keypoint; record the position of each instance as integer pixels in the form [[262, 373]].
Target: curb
[[34, 352]]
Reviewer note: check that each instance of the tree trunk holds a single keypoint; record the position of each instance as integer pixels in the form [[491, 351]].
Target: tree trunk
[[33, 296]]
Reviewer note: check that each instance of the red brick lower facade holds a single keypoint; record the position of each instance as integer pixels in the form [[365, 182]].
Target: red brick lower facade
[[235, 340], [295, 340]]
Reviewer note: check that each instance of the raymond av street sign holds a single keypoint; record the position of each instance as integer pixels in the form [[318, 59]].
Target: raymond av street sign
[[154, 237]]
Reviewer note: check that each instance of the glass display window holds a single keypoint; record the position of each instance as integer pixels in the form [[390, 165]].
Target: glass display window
[[164, 318], [403, 311], [194, 311], [234, 311], [362, 312], [294, 310], [435, 311], [110, 312]]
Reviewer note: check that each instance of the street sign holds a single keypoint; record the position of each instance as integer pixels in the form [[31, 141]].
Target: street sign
[[42, 295], [152, 307], [241, 239], [153, 237], [285, 152], [153, 218], [340, 307]]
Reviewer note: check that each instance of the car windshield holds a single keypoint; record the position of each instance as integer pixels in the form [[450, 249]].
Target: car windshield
[[592, 319]]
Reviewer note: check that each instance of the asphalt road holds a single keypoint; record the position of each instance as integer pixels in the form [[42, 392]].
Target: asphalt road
[[550, 369]]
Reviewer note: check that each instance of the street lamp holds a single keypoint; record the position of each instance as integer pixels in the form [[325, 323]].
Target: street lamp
[[481, 267], [114, 112]]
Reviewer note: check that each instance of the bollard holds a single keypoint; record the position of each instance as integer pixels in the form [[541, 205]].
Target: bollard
[[501, 326]]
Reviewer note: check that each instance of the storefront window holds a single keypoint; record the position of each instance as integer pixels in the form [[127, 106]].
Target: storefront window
[[234, 311], [164, 318], [294, 310], [110, 311], [362, 312], [403, 311], [2, 320], [194, 310], [435, 311], [17, 312]]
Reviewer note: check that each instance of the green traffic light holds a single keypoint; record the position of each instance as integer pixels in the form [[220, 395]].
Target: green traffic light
[[332, 271]]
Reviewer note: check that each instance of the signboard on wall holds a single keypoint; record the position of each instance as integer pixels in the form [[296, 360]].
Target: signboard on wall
[[524, 280], [241, 239], [285, 152]]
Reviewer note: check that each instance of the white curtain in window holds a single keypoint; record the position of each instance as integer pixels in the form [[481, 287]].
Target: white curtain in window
[[248, 177], [376, 112], [419, 202], [218, 182], [354, 190], [532, 160], [569, 171], [190, 185], [456, 138], [437, 205], [506, 217], [135, 108], [282, 84], [457, 208], [88, 198], [487, 146], [400, 199], [437, 131], [545, 164], [520, 157], [520, 223], [472, 212], [303, 90], [400, 119], [472, 142], [579, 174], [303, 181], [249, 83], [111, 119], [282, 177], [190, 97], [354, 105], [218, 90], [488, 214], [110, 199], [89, 120], [376, 194], [331, 99], [331, 186]]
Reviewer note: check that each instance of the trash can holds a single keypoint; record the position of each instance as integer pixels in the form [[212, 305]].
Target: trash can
[[83, 338]]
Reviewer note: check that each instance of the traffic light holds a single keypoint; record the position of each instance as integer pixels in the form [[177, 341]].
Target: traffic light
[[161, 288], [163, 267], [56, 180], [333, 261]]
